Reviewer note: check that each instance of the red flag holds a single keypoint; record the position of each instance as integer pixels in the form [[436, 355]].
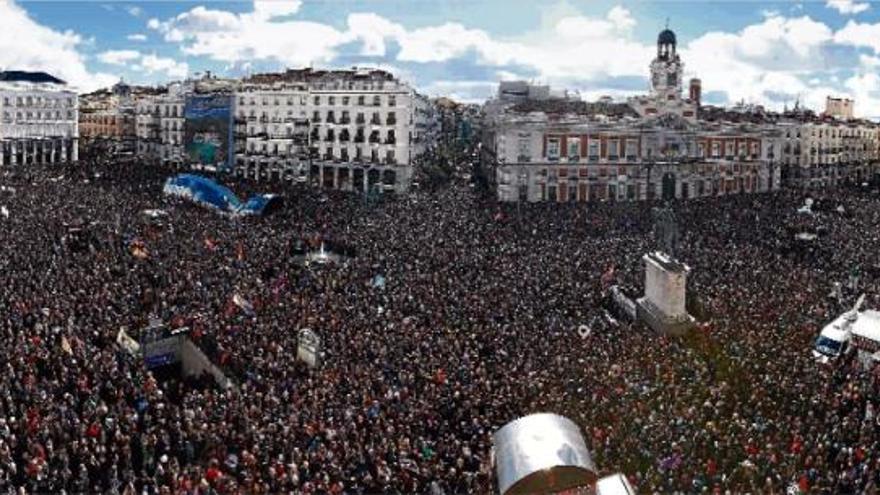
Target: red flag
[[210, 244]]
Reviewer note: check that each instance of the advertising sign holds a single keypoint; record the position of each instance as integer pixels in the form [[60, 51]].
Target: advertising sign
[[207, 130]]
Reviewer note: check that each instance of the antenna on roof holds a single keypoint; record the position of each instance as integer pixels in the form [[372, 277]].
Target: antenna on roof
[[667, 22]]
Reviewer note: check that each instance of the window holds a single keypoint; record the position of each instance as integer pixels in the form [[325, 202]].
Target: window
[[632, 148], [345, 100], [361, 100], [553, 148], [574, 148], [716, 149], [392, 101], [593, 149], [377, 100], [331, 100], [612, 149], [317, 100]]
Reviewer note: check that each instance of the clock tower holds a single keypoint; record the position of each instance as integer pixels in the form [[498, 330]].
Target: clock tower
[[666, 68]]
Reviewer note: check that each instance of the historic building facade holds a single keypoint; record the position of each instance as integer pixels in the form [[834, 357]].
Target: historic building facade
[[38, 119], [159, 124], [348, 129], [107, 120], [663, 145]]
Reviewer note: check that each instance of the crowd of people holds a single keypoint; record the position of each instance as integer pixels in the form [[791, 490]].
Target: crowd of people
[[479, 321]]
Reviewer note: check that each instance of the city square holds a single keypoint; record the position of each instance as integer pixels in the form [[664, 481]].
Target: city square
[[323, 280]]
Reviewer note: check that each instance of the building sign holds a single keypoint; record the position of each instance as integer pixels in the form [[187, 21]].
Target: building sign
[[207, 130], [309, 347]]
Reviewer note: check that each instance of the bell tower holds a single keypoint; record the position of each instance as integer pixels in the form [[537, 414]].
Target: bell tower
[[666, 68]]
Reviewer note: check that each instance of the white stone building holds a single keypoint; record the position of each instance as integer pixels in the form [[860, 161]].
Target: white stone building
[[38, 119], [343, 129], [159, 124], [823, 151]]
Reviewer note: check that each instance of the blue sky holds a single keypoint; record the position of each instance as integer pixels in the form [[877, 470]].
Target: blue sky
[[759, 52]]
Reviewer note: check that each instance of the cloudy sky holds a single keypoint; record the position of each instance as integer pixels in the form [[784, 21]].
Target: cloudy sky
[[760, 52]]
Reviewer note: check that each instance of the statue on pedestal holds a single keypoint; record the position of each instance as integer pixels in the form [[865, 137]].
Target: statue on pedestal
[[666, 231]]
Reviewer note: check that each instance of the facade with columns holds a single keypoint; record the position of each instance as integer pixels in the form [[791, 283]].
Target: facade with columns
[[355, 130], [38, 119]]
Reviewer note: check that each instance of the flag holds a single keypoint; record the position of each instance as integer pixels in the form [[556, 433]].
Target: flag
[[210, 244], [65, 346], [239, 251], [244, 304]]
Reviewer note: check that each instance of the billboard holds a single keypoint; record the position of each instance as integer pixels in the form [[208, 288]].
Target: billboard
[[207, 130]]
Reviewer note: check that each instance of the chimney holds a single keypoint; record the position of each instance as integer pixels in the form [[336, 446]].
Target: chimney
[[696, 92]]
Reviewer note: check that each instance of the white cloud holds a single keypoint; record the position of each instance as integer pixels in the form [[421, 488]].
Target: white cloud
[[228, 37], [776, 56], [174, 69], [270, 9], [150, 64], [859, 35], [136, 37], [118, 57], [28, 45], [848, 7], [134, 10]]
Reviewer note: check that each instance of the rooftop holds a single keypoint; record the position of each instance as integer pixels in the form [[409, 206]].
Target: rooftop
[[29, 77]]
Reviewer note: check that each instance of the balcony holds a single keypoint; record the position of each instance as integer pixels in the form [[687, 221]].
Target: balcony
[[375, 121], [391, 121], [344, 121], [359, 138], [374, 140], [359, 120], [391, 140]]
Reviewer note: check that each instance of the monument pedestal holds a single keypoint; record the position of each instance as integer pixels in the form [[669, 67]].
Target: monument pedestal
[[663, 306]]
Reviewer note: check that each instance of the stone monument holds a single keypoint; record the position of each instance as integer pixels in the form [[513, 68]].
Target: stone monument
[[663, 307]]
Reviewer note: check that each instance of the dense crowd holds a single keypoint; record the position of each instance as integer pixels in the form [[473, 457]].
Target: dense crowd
[[476, 325]]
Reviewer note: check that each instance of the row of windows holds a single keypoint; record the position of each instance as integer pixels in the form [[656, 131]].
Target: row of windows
[[359, 136], [359, 153], [329, 117], [600, 192], [31, 116], [317, 100], [859, 133], [38, 101]]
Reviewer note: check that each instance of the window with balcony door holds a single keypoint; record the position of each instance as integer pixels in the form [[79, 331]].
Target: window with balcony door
[[574, 148], [553, 148], [612, 149]]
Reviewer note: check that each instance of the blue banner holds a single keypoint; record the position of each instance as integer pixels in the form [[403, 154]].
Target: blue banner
[[209, 193]]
